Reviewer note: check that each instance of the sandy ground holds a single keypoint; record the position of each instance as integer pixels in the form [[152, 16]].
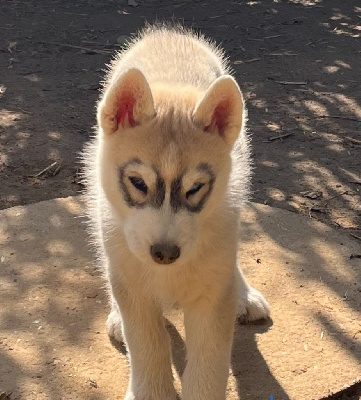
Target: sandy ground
[[53, 343]]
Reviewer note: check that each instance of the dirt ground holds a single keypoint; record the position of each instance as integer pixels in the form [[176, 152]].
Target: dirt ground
[[297, 62], [53, 308]]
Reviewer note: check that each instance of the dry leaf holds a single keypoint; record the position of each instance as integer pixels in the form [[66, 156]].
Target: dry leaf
[[312, 194], [12, 46]]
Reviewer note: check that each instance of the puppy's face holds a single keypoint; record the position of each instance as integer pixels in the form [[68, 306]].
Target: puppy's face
[[164, 190], [164, 175], [164, 213]]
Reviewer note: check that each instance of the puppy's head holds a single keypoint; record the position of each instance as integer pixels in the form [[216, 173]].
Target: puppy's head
[[164, 158]]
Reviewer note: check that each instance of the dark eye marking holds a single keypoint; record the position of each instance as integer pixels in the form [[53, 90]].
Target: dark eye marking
[[124, 187], [159, 192], [195, 188], [175, 194], [177, 200], [155, 194], [139, 184]]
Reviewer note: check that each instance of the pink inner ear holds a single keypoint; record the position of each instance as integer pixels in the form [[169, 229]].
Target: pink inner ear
[[219, 118], [125, 110]]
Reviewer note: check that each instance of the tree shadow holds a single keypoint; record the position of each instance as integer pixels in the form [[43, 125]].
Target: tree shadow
[[50, 300], [312, 255]]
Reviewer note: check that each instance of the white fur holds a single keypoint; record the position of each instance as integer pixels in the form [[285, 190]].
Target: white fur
[[176, 79]]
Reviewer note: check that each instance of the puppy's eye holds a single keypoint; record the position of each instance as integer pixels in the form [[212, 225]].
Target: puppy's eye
[[139, 184], [194, 189]]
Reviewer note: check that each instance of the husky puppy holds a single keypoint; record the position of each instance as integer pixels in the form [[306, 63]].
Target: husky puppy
[[166, 176]]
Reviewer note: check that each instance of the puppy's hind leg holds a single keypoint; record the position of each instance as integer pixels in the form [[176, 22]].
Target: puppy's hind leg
[[114, 323], [252, 306]]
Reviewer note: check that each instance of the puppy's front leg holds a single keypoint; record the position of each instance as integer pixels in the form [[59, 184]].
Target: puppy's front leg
[[149, 348], [209, 333]]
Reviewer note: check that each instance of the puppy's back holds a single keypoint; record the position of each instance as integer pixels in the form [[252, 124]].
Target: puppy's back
[[172, 56]]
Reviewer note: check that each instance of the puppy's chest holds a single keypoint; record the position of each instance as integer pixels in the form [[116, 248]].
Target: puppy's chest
[[178, 289]]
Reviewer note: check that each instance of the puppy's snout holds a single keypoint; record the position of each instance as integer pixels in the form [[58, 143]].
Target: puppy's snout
[[164, 253]]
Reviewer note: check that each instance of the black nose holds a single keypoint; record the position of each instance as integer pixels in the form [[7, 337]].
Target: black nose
[[164, 253]]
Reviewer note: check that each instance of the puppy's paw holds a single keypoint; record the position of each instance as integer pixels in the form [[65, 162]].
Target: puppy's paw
[[252, 306], [114, 326], [129, 396]]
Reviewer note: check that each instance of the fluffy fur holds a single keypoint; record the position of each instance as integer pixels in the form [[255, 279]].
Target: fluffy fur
[[169, 169]]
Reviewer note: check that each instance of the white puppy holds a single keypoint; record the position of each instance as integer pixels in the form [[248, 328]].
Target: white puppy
[[166, 175]]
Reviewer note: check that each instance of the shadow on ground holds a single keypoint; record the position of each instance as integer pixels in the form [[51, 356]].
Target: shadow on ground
[[50, 298], [53, 309]]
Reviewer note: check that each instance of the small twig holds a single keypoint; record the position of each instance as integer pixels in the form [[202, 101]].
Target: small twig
[[355, 236], [309, 212], [318, 209], [352, 140], [56, 171], [42, 172], [271, 139], [281, 54], [272, 37], [338, 117], [334, 197], [303, 90], [99, 44], [356, 182], [291, 83], [246, 61], [5, 396], [252, 60], [241, 48], [355, 256], [79, 47], [359, 331], [70, 13]]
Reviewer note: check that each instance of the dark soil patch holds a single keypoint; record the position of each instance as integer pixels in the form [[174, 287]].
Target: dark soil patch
[[297, 62]]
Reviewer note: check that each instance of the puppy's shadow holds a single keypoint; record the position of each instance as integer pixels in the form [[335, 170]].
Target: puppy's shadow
[[254, 379], [120, 346], [178, 348], [250, 369]]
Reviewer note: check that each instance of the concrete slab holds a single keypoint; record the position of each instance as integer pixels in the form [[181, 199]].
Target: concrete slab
[[53, 343]]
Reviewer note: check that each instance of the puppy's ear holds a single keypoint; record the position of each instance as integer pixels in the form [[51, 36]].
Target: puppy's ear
[[127, 102], [221, 110]]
